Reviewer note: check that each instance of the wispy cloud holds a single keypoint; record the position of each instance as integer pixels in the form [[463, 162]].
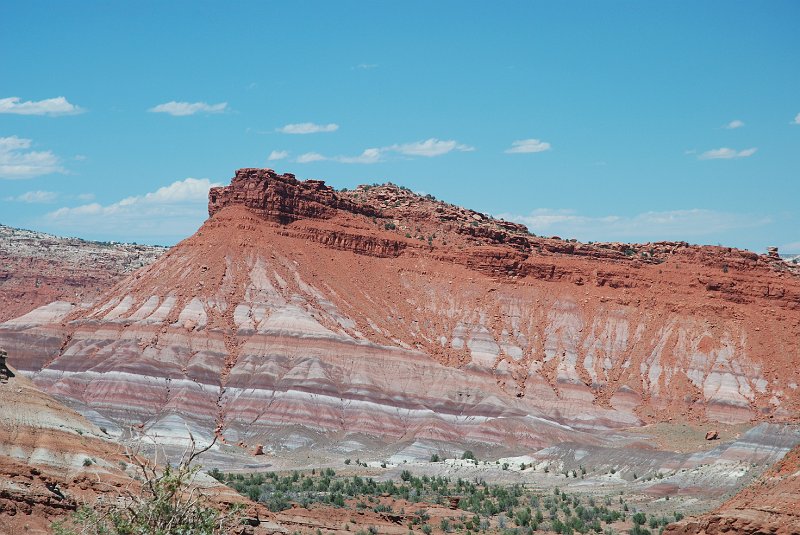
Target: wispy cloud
[[526, 146], [427, 148], [277, 155], [181, 109], [796, 119], [308, 128], [35, 197], [646, 226], [366, 66], [309, 157], [173, 210], [736, 123], [368, 156], [51, 106], [725, 153], [17, 162]]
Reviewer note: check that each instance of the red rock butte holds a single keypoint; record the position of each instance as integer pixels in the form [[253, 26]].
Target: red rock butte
[[298, 312]]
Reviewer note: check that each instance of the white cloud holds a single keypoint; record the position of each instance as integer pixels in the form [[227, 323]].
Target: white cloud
[[180, 109], [368, 156], [797, 119], [647, 226], [17, 162], [171, 211], [366, 66], [308, 128], [429, 147], [310, 157], [736, 123], [277, 155], [35, 197], [51, 106], [525, 146], [725, 153], [187, 190]]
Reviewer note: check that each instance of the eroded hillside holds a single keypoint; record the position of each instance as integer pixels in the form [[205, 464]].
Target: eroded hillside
[[298, 312], [38, 268]]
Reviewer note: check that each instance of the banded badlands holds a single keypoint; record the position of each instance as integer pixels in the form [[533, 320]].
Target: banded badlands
[[380, 312], [318, 324], [298, 313], [54, 461]]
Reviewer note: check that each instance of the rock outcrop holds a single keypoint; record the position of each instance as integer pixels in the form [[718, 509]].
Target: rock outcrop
[[771, 505], [298, 313], [5, 373]]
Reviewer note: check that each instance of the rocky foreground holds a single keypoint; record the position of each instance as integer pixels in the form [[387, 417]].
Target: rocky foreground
[[298, 312], [53, 461]]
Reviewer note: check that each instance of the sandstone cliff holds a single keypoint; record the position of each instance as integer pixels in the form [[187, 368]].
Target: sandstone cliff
[[297, 312]]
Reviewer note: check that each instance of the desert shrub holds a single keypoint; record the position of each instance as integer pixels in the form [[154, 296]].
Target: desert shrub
[[168, 504]]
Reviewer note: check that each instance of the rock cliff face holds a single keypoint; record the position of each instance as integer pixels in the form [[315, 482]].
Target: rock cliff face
[[297, 312]]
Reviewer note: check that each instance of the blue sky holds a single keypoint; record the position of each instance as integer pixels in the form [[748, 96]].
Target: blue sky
[[630, 121]]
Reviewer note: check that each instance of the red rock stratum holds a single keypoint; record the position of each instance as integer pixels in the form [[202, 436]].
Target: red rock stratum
[[37, 268], [298, 312]]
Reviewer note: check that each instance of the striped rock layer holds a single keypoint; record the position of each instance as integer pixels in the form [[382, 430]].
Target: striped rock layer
[[297, 313]]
